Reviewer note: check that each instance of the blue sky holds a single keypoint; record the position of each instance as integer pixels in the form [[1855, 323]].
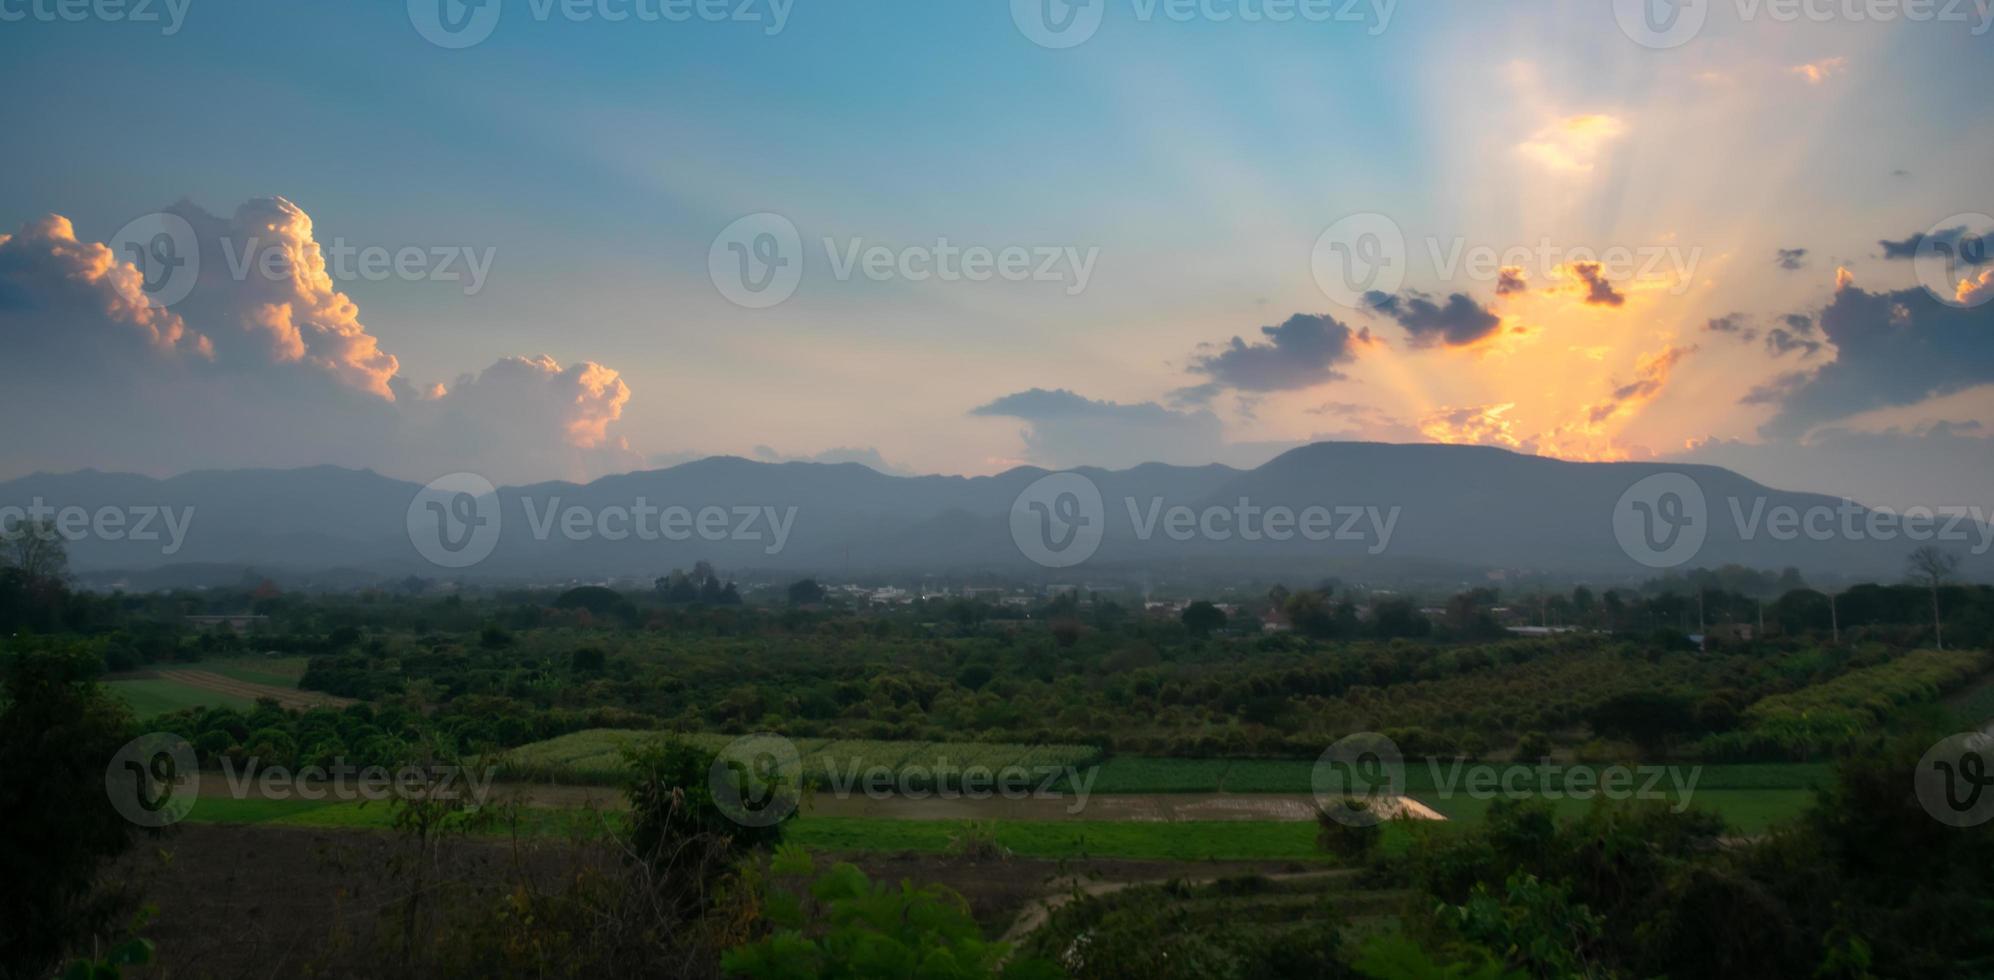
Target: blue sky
[[1198, 160]]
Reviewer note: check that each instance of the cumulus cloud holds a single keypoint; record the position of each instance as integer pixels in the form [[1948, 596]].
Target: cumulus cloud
[[1300, 353], [1511, 279], [1460, 322], [1891, 348], [1791, 259], [264, 363], [1063, 428]]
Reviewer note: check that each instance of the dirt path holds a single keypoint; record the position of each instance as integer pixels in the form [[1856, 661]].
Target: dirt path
[[1039, 913], [287, 696]]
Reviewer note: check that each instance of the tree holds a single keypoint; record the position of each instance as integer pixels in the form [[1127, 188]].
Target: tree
[[1648, 718], [37, 551], [841, 924], [805, 592], [58, 732], [1931, 566], [1201, 618]]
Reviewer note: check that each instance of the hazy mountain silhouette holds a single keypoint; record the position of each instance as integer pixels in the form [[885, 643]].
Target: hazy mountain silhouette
[[1450, 510]]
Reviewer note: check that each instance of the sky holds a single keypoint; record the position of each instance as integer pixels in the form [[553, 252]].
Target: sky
[[593, 236]]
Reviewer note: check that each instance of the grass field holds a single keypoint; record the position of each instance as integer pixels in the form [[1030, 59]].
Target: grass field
[[151, 697], [1748, 811], [595, 756], [1135, 774], [233, 683]]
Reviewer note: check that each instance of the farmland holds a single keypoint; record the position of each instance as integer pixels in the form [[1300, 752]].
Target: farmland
[[237, 684], [596, 756]]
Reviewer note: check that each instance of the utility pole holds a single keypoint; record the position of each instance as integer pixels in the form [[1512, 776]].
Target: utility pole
[[1834, 620]]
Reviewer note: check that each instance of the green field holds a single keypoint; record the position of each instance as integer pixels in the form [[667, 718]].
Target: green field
[[595, 756], [274, 671], [1136, 774], [151, 697]]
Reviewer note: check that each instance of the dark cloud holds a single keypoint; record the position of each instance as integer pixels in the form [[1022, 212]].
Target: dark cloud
[[1063, 428], [1300, 353], [1969, 249], [1791, 258], [1511, 279], [1599, 292], [1775, 391], [1891, 348], [1461, 322], [1733, 323], [1796, 335]]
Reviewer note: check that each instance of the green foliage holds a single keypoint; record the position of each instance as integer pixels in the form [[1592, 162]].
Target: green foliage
[[1396, 957], [58, 732], [1349, 841], [844, 925], [1849, 710], [132, 952]]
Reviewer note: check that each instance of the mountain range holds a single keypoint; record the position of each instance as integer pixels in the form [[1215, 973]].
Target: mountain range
[[1382, 512]]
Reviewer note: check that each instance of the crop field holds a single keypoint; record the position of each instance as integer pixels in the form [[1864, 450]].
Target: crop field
[[236, 683], [153, 696], [596, 756]]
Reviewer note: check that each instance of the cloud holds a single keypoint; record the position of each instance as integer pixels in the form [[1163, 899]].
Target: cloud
[[1796, 335], [1791, 259], [1064, 428], [1923, 465], [1775, 391], [1959, 243], [1479, 425], [1599, 292], [1300, 353], [867, 456], [1975, 291], [1651, 375], [1891, 348], [1573, 145], [264, 363], [1511, 279], [1736, 324], [1461, 322], [1816, 72]]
